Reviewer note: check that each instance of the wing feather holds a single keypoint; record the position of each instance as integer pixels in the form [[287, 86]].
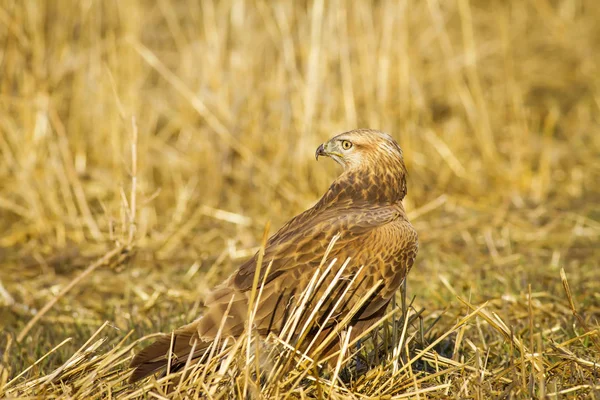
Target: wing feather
[[302, 242]]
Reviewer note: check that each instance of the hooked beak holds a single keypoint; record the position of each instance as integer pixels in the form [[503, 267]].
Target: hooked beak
[[320, 152]]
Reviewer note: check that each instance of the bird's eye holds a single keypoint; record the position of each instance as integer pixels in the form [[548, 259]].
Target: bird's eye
[[346, 145]]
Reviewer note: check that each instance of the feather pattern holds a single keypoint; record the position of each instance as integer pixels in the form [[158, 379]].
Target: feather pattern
[[363, 206]]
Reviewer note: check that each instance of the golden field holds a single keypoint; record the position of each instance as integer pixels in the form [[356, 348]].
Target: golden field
[[145, 145]]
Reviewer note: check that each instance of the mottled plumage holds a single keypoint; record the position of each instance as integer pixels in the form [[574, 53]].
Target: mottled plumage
[[364, 206]]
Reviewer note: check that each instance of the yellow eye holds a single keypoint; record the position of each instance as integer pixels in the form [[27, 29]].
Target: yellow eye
[[346, 145]]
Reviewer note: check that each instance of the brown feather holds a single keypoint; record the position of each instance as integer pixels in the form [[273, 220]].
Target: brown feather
[[364, 207]]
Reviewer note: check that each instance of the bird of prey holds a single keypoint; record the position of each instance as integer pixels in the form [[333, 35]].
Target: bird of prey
[[362, 209]]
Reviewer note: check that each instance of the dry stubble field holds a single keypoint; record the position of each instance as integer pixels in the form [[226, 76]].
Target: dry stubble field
[[145, 145]]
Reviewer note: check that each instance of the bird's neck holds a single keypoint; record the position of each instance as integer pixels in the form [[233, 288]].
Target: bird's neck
[[380, 185]]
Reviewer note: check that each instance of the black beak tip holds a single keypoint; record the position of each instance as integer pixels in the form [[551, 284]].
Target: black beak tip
[[320, 152]]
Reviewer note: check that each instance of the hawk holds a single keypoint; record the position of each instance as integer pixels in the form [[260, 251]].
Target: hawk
[[362, 210]]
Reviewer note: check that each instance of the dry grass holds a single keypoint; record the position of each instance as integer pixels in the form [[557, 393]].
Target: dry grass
[[145, 145]]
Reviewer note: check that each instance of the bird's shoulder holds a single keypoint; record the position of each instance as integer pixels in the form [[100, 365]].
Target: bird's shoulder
[[304, 240]]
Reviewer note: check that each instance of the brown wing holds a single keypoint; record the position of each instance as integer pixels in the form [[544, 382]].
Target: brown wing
[[301, 244], [376, 237], [370, 235]]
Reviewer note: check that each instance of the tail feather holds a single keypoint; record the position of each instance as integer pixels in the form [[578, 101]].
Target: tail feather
[[202, 331], [155, 357], [226, 311], [146, 369]]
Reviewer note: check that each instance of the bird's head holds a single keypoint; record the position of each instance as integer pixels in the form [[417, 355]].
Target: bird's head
[[373, 166], [361, 148]]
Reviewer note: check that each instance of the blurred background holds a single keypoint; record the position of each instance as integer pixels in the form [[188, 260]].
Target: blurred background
[[495, 104]]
